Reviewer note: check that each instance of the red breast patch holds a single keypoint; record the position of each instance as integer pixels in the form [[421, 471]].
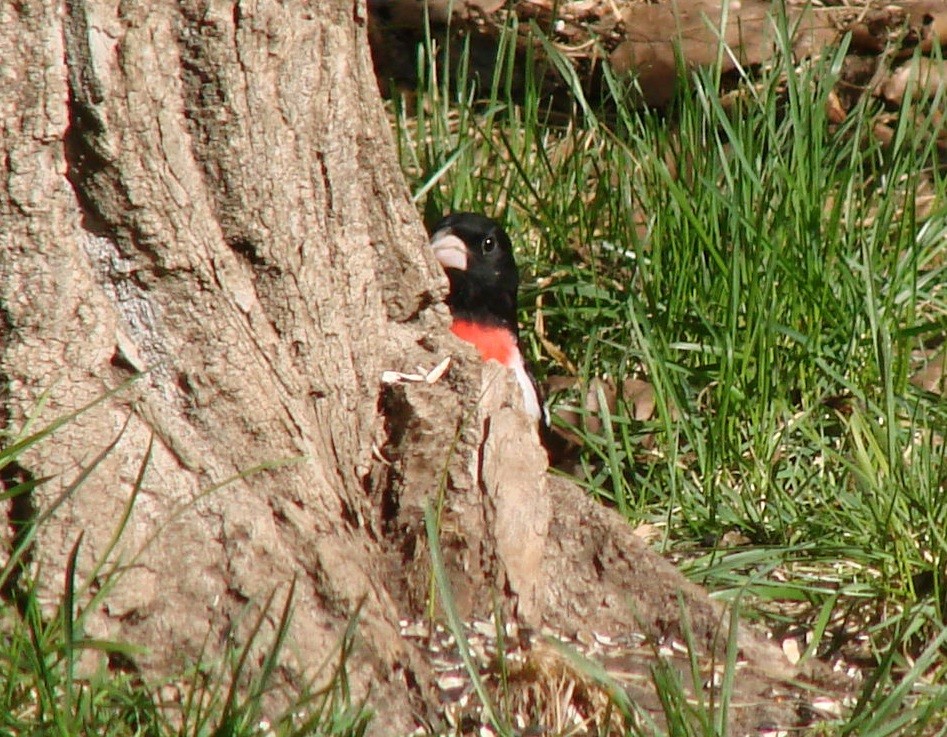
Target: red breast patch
[[492, 342]]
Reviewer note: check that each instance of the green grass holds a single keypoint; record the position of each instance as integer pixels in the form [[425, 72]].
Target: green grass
[[765, 271]]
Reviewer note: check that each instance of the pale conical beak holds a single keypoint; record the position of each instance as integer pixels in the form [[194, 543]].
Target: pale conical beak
[[449, 250]]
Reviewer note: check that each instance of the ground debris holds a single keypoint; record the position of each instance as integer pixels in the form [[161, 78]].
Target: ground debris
[[549, 682]]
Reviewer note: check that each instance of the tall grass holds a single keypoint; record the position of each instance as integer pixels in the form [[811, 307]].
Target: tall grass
[[766, 272]]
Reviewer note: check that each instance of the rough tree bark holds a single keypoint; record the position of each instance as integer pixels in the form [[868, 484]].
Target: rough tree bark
[[204, 195], [205, 192]]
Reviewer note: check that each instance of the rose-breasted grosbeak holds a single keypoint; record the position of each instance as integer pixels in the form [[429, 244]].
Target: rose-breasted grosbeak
[[477, 256]]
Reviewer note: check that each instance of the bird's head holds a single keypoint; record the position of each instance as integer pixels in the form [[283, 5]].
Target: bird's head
[[477, 256]]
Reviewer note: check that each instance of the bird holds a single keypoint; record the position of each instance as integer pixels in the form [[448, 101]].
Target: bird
[[477, 257]]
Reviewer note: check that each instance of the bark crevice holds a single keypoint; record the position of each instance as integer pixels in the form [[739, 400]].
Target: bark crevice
[[86, 164]]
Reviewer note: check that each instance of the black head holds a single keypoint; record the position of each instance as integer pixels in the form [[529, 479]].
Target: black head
[[477, 256]]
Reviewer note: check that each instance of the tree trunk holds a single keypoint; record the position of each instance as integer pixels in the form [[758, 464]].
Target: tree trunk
[[185, 194], [201, 212]]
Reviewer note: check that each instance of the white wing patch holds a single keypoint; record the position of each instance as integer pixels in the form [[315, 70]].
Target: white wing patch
[[530, 396]]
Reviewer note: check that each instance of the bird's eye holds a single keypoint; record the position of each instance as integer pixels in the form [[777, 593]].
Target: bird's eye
[[489, 244]]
